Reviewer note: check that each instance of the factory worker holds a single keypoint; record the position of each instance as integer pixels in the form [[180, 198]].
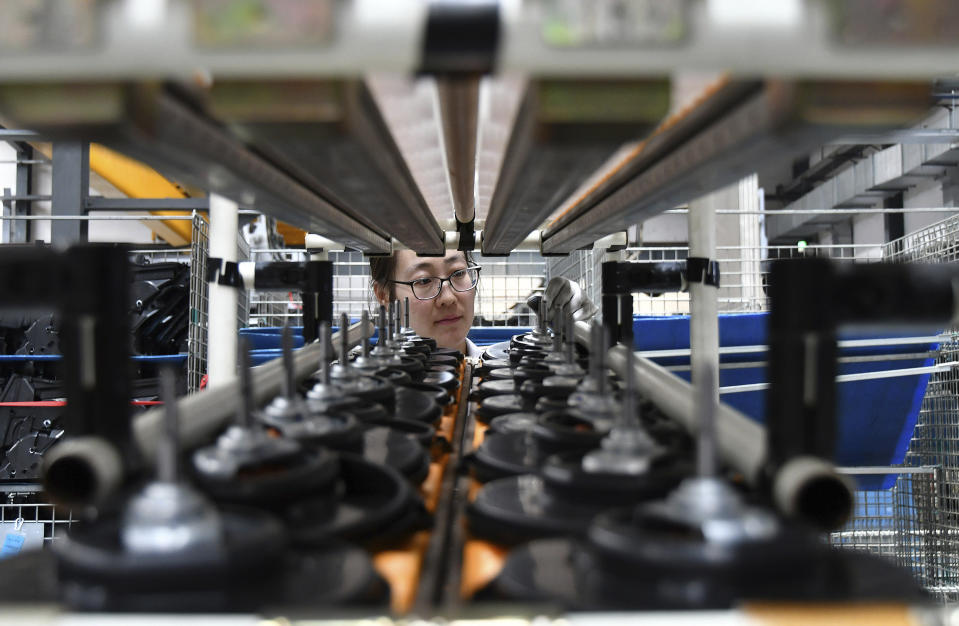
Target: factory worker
[[442, 294]]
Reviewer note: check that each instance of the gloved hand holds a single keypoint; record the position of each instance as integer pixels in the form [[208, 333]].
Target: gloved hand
[[562, 292]]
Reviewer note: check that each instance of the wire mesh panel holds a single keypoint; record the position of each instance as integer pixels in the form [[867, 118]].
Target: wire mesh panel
[[199, 303], [505, 283], [36, 521], [898, 523]]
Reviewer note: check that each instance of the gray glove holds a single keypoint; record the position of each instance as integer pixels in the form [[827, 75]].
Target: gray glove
[[562, 292]]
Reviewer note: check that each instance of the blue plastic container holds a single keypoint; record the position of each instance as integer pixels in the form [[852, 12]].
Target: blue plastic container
[[876, 417]]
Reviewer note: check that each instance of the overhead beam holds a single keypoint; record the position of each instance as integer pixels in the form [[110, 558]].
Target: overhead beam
[[725, 138], [563, 132], [332, 137], [149, 123]]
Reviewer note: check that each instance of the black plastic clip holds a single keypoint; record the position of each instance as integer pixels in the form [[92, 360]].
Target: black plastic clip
[[702, 270], [225, 273]]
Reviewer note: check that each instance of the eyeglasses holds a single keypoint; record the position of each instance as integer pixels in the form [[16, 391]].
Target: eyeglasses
[[429, 287]]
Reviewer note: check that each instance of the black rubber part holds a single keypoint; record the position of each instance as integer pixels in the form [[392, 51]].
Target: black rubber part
[[439, 395], [497, 351], [445, 379], [381, 394], [396, 449], [394, 376], [276, 484], [499, 405], [490, 364], [565, 431], [415, 405], [504, 454], [515, 509], [489, 388], [501, 373], [420, 431], [374, 502], [513, 423], [344, 436], [565, 477], [443, 359], [569, 573], [97, 573], [456, 354]]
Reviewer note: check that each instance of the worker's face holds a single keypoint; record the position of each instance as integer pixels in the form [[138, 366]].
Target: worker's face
[[447, 317]]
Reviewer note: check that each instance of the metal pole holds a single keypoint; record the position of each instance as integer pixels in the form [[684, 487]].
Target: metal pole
[[221, 355], [704, 322], [71, 186]]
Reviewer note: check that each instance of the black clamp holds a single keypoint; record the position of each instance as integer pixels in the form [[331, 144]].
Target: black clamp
[[467, 236], [225, 273], [702, 270]]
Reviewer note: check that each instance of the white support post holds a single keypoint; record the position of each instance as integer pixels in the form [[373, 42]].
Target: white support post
[[222, 319]]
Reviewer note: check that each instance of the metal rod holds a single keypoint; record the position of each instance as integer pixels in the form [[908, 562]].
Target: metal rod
[[90, 218], [827, 211], [325, 347], [344, 342], [381, 331], [406, 312], [204, 413], [706, 394], [166, 461], [365, 339], [247, 407], [848, 378], [289, 378]]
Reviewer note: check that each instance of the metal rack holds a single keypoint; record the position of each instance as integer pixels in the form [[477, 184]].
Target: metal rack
[[504, 285]]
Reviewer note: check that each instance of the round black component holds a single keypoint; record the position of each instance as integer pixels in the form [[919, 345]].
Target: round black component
[[519, 355], [565, 477], [420, 431], [369, 388], [415, 405], [515, 509], [499, 405], [416, 348], [96, 572], [566, 431], [456, 354], [489, 364], [375, 502], [525, 372], [394, 376], [497, 351], [513, 423], [276, 482], [412, 366], [442, 368], [446, 380], [501, 373], [547, 405], [331, 576], [552, 387], [489, 388], [439, 395], [504, 454], [385, 446], [337, 431], [443, 359]]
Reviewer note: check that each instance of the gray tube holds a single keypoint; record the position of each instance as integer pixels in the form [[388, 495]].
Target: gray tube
[[814, 492], [82, 471], [204, 413]]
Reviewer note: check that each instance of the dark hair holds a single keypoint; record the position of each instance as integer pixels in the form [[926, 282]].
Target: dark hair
[[383, 270]]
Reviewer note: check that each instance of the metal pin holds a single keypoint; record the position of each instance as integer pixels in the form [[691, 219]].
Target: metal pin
[[541, 314], [381, 331], [244, 415], [406, 312], [167, 451], [365, 324], [344, 341], [289, 378], [325, 353], [629, 418], [704, 379], [391, 321], [398, 326]]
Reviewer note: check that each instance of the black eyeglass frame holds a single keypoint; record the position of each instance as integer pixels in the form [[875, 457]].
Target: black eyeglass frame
[[448, 279]]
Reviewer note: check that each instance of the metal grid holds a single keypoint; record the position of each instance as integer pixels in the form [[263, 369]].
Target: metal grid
[[28, 509], [898, 523], [195, 256], [504, 285]]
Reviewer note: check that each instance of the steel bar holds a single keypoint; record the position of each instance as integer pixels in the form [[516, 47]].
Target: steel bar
[[459, 113], [203, 413], [332, 136], [563, 132], [151, 124], [740, 128], [147, 204]]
